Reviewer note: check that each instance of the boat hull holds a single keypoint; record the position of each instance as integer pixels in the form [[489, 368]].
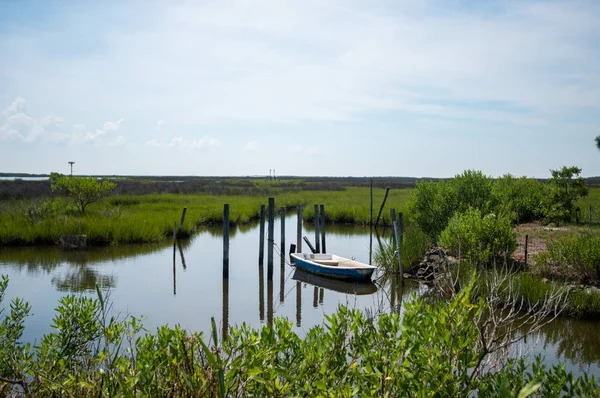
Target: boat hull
[[346, 273]]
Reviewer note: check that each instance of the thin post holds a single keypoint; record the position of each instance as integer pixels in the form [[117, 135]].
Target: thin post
[[317, 242], [182, 219], [371, 203], [387, 191], [282, 247], [174, 276], [282, 283], [226, 241], [299, 232], [261, 247], [292, 250], [322, 223], [312, 249], [395, 227], [316, 297], [270, 239], [526, 246]]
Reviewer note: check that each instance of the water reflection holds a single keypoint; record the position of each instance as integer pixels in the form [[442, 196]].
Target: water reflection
[[358, 288]]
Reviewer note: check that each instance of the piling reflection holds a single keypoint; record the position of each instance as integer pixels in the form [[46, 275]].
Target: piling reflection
[[225, 318], [270, 302], [298, 303], [261, 292], [282, 284]]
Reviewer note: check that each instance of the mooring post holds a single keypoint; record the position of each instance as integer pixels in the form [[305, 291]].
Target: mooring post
[[270, 238], [317, 242], [226, 241], [387, 191], [299, 232], [371, 204], [312, 249], [282, 247], [322, 223], [526, 245], [282, 283], [270, 302], [261, 247], [182, 219], [316, 297], [292, 250], [395, 227]]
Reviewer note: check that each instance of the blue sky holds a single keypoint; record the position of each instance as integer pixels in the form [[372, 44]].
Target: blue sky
[[335, 88]]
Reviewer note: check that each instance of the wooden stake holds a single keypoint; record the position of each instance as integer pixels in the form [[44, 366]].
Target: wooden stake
[[387, 191], [282, 247], [312, 249], [261, 247], [226, 241], [317, 242], [299, 231], [270, 238], [371, 203], [395, 226], [322, 223]]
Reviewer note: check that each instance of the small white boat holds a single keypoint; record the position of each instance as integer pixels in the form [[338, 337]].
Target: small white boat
[[333, 266]]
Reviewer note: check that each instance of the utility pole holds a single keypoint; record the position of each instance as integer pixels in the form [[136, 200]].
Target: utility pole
[[71, 163]]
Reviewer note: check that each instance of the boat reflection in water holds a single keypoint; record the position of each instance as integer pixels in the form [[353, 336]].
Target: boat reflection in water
[[358, 288]]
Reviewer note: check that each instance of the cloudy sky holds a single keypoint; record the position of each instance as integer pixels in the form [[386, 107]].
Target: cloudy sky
[[337, 88]]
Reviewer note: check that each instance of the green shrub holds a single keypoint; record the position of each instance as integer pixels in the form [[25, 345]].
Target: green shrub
[[413, 247], [433, 203], [481, 240], [572, 257], [522, 196]]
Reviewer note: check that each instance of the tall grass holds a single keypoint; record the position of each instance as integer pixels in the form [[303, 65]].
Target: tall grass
[[413, 245], [575, 257]]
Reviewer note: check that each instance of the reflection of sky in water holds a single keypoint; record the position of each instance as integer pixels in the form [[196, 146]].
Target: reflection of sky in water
[[140, 279]]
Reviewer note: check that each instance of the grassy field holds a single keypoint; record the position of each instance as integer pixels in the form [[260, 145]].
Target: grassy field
[[149, 218]]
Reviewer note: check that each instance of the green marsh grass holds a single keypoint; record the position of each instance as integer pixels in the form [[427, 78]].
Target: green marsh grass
[[149, 218], [413, 247]]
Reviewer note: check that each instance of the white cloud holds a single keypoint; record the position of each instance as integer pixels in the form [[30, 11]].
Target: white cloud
[[17, 124], [207, 142], [251, 146], [112, 126], [160, 123]]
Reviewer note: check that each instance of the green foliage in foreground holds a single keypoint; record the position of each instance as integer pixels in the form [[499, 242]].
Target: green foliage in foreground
[[433, 351], [481, 240]]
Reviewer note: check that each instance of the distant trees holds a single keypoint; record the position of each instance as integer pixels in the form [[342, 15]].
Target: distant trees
[[82, 191]]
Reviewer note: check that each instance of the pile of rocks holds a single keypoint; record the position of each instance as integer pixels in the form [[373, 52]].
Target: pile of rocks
[[434, 263]]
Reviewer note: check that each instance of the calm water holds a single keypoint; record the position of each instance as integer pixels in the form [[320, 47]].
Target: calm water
[[144, 280]]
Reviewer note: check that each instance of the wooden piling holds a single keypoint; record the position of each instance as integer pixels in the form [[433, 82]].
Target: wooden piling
[[299, 231], [226, 241], [316, 297], [321, 294], [282, 283], [270, 308], [371, 203], [317, 241], [395, 227], [292, 250], [322, 223], [387, 191], [261, 247], [282, 247], [270, 238], [182, 219], [312, 249], [526, 247]]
